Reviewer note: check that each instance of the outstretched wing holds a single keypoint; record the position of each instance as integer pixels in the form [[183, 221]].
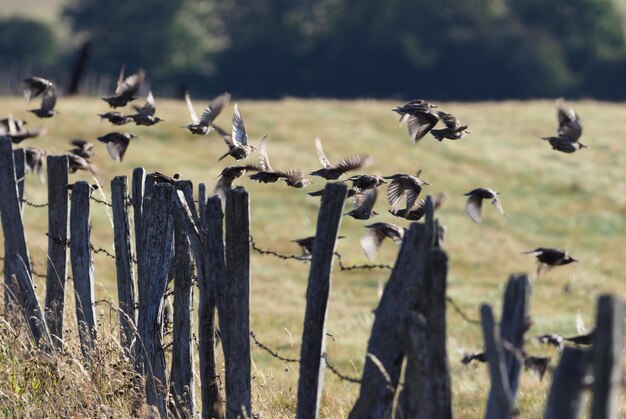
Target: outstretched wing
[[239, 130], [192, 111], [320, 153], [473, 206], [215, 108]]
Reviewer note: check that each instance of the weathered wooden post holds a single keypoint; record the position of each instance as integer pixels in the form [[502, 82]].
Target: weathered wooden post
[[56, 274], [202, 198], [82, 266], [501, 402], [311, 379], [139, 178], [19, 156], [154, 260], [566, 391], [123, 263], [608, 344], [10, 213]]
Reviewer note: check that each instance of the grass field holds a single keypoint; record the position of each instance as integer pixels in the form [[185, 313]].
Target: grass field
[[577, 202]]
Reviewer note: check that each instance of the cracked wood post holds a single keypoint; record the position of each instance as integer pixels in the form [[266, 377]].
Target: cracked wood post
[[19, 156], [182, 384], [138, 181], [311, 379], [82, 266], [123, 263], [154, 259], [426, 392], [12, 225], [501, 403], [384, 349], [566, 391], [30, 305], [608, 344], [56, 274], [513, 324], [235, 316]]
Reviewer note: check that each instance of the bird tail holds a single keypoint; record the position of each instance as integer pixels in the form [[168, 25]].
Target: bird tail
[[224, 156]]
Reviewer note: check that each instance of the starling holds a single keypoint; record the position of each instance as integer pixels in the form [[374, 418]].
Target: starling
[[228, 175], [76, 163], [418, 210], [14, 129], [420, 116], [126, 89], [34, 160], [537, 364], [306, 244], [470, 357], [163, 178], [204, 125], [265, 173], [11, 125], [402, 184], [48, 100], [548, 258], [363, 207], [237, 143], [116, 118], [117, 143], [145, 114], [454, 129], [475, 201], [82, 148], [35, 86], [363, 182], [333, 171], [569, 130], [92, 188], [550, 339], [350, 194], [376, 233], [564, 145], [294, 178]]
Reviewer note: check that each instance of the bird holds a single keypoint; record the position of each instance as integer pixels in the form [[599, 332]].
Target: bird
[[363, 182], [475, 201], [418, 210], [48, 101], [15, 130], [403, 184], [454, 129], [126, 89], [564, 145], [420, 117], [92, 188], [537, 364], [376, 234], [569, 130], [34, 160], [35, 86], [237, 143], [145, 114], [116, 118], [350, 194], [558, 341], [548, 258], [117, 143], [306, 244], [294, 178], [76, 163], [10, 124], [363, 204], [228, 175], [335, 170], [82, 148], [204, 125], [163, 178]]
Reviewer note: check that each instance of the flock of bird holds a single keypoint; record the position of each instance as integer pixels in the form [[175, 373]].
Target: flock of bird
[[403, 190]]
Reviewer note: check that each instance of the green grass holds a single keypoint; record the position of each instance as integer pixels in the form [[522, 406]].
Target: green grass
[[577, 202]]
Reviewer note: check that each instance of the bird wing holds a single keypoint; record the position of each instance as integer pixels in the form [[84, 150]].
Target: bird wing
[[569, 123], [474, 203], [420, 124], [496, 203], [120, 78], [215, 108], [395, 191], [365, 200], [117, 145], [192, 111], [449, 120], [353, 162], [264, 160], [228, 139], [148, 108], [320, 153], [371, 241], [49, 99], [131, 84], [239, 136]]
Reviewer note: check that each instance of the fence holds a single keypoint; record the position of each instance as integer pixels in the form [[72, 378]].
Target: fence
[[174, 237]]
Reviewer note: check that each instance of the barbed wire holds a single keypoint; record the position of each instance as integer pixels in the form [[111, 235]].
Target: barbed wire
[[101, 250], [276, 254], [271, 352], [353, 267], [461, 312], [30, 204], [100, 201], [335, 371]]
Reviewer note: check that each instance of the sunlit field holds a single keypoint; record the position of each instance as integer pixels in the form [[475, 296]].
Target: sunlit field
[[572, 201]]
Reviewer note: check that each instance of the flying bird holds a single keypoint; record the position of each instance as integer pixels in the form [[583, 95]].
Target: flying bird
[[116, 118], [454, 130], [266, 174], [15, 130], [475, 202], [228, 175], [48, 101], [34, 158], [569, 130], [35, 86], [204, 125], [363, 182], [363, 204], [420, 117], [401, 185], [333, 171], [76, 163], [82, 148], [376, 234], [418, 210], [237, 143], [117, 143], [306, 244], [126, 89], [145, 114], [548, 258], [564, 145]]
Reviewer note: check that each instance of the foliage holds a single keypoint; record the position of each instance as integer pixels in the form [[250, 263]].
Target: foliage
[[27, 43]]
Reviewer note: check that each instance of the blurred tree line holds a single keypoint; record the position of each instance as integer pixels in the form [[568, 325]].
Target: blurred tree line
[[449, 49]]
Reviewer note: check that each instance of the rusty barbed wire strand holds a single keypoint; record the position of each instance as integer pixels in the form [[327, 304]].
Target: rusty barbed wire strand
[[461, 312], [271, 352], [337, 373], [30, 204], [353, 267], [276, 254]]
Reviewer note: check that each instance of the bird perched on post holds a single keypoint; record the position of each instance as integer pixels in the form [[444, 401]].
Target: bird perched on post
[[376, 233], [116, 118], [417, 211], [454, 129], [548, 258], [265, 174], [363, 204], [126, 89], [569, 130], [145, 114], [204, 125], [333, 171], [403, 184], [35, 86], [48, 101], [475, 202], [117, 143], [420, 117]]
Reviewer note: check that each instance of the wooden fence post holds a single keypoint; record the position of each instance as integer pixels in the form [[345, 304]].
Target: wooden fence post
[[566, 391], [426, 392], [182, 386], [30, 305], [311, 379], [10, 213], [56, 274], [235, 318], [19, 157], [124, 263], [82, 266], [154, 260], [384, 349], [608, 344], [500, 405], [139, 179], [202, 198]]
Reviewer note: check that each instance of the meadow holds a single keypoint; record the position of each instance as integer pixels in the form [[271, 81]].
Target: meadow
[[576, 202]]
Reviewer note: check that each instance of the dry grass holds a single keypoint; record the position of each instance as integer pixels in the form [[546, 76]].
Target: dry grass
[[573, 201]]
